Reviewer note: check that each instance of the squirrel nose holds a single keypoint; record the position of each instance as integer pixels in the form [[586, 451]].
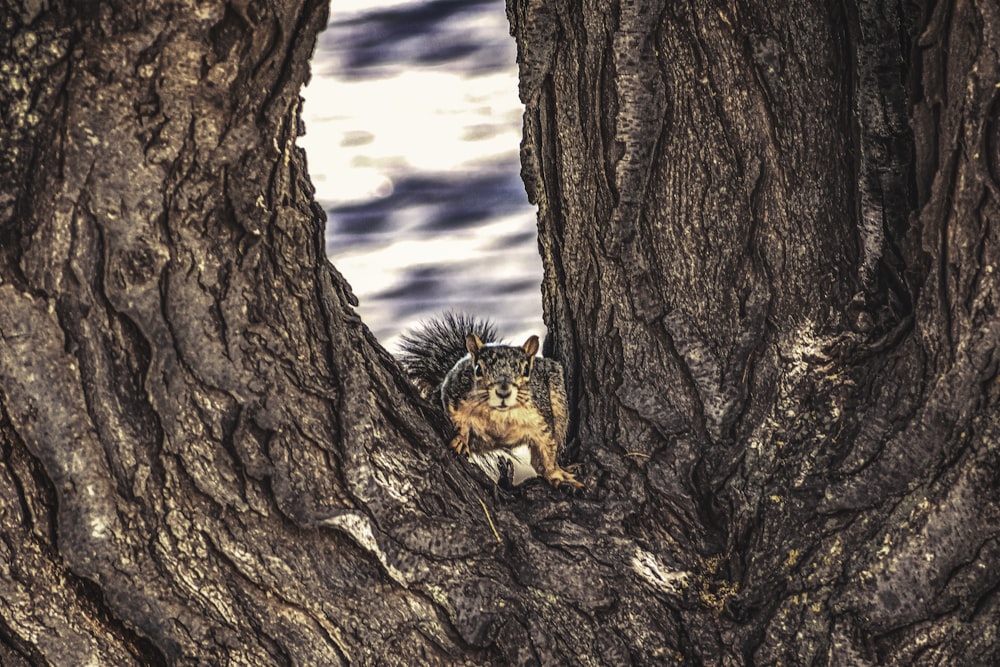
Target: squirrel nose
[[503, 390]]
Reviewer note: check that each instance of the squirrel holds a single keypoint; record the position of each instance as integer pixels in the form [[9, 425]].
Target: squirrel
[[497, 396]]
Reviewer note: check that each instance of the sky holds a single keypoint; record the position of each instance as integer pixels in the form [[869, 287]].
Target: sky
[[413, 127]]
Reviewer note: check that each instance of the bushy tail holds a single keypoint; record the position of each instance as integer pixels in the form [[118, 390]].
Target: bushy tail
[[428, 353]]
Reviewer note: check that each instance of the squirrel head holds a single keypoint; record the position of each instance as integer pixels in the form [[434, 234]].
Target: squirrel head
[[502, 371]]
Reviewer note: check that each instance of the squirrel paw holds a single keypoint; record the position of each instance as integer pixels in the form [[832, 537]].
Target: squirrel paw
[[460, 445], [559, 476]]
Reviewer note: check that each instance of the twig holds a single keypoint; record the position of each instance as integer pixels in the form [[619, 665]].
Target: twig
[[490, 519]]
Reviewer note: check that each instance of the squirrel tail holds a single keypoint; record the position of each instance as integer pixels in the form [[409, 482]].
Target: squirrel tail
[[428, 353]]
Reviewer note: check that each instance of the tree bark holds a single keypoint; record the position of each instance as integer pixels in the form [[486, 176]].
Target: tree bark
[[789, 370], [770, 245]]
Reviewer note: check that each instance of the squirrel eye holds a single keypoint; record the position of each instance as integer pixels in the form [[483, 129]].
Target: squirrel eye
[[527, 370], [478, 370]]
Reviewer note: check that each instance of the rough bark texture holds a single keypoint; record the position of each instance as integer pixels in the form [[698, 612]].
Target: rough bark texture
[[206, 455], [788, 375], [771, 250]]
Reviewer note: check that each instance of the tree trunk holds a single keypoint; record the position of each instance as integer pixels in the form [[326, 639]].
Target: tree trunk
[[771, 248], [788, 374]]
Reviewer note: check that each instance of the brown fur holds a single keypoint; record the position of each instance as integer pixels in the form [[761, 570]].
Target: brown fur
[[498, 408], [560, 411], [498, 397]]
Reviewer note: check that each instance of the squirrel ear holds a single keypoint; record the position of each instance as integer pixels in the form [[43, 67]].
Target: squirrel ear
[[531, 346], [473, 344]]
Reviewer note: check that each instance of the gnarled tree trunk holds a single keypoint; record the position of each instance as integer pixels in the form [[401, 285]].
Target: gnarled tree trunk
[[771, 248], [777, 301]]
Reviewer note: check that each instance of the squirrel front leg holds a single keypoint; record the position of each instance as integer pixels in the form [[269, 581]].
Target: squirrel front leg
[[460, 443], [543, 459]]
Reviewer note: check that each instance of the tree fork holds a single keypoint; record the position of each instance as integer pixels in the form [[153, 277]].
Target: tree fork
[[775, 300]]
